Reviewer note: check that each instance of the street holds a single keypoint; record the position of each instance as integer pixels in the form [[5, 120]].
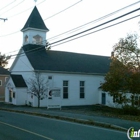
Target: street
[[15, 126]]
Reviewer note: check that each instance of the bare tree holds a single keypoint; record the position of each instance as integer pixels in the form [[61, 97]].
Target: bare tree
[[38, 86]]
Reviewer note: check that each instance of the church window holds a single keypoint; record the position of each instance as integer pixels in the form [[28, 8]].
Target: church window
[[65, 89], [26, 39], [37, 39]]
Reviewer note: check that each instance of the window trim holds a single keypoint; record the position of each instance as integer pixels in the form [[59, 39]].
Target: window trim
[[67, 86], [81, 85]]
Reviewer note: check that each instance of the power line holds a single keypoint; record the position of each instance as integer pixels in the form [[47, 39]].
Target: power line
[[40, 48], [96, 26], [96, 20], [63, 10], [93, 27], [12, 51], [7, 5], [12, 7], [17, 14], [26, 10], [52, 15], [9, 34], [44, 19], [88, 30], [97, 30], [52, 38], [29, 51]]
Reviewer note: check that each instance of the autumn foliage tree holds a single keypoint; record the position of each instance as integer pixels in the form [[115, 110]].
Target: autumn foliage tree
[[4, 60], [124, 74]]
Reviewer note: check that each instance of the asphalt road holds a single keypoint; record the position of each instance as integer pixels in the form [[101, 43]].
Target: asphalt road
[[14, 126]]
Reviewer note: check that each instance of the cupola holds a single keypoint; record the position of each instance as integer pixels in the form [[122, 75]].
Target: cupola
[[34, 31]]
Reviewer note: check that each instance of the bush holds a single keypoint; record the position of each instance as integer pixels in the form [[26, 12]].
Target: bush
[[105, 109], [130, 110]]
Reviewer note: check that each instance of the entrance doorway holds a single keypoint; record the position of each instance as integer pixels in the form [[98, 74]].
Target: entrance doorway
[[10, 96]]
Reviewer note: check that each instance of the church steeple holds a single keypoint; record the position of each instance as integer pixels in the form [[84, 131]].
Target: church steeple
[[34, 31]]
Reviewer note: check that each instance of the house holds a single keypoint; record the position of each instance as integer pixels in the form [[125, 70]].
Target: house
[[4, 74], [73, 78]]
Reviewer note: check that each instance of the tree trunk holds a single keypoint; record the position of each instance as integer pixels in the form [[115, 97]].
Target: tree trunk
[[38, 102]]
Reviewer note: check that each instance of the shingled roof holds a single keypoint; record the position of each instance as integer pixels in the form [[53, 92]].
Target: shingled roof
[[4, 71], [18, 80], [57, 61], [35, 21]]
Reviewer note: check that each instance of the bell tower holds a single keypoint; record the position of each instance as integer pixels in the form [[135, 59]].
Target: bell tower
[[34, 30]]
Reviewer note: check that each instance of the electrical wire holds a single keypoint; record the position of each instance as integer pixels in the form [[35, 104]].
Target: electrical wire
[[45, 19], [12, 7], [26, 10], [7, 5], [9, 34], [28, 51], [96, 20], [63, 10], [97, 30], [39, 48], [88, 29], [48, 17], [96, 26], [11, 52], [52, 38]]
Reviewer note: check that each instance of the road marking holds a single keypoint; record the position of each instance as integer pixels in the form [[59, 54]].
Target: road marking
[[64, 121], [26, 131]]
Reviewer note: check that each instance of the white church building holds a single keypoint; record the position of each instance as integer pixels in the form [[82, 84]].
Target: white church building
[[74, 78]]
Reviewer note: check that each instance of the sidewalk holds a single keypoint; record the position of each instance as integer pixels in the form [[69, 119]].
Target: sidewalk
[[76, 115]]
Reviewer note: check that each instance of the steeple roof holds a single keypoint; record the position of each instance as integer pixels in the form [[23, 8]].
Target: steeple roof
[[35, 21]]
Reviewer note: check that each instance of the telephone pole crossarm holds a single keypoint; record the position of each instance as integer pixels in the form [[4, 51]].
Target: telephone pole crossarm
[[3, 19]]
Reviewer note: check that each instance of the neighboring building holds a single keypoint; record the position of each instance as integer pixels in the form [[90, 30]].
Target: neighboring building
[[75, 77], [4, 74]]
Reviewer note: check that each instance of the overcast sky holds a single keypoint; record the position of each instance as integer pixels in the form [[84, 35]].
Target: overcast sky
[[84, 11]]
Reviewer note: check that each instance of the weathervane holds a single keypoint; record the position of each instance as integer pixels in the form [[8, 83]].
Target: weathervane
[[35, 1]]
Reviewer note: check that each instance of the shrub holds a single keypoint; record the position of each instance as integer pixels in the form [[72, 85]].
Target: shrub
[[130, 110]]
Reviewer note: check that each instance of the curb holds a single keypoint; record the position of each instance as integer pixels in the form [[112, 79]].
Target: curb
[[81, 121]]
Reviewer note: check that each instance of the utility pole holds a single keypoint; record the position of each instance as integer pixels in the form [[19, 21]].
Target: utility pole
[[4, 19]]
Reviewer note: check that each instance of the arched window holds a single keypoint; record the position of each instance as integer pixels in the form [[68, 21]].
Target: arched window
[[26, 39], [37, 39]]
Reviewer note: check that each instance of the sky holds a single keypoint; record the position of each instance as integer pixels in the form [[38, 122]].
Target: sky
[[58, 20]]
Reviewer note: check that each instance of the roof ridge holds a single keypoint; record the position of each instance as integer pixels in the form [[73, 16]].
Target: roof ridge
[[79, 53]]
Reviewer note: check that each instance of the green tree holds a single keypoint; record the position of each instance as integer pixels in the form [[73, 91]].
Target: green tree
[[124, 74], [4, 60], [127, 52]]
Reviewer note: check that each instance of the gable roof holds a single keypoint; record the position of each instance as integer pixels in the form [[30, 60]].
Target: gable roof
[[18, 80], [35, 21], [4, 71], [57, 61]]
